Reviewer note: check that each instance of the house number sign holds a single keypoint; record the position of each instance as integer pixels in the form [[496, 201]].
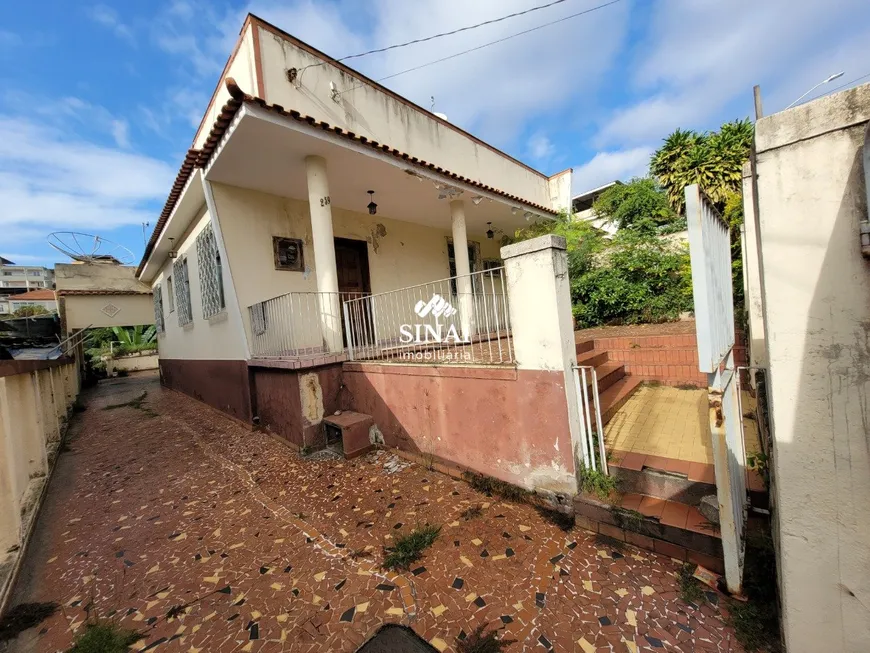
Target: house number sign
[[324, 201]]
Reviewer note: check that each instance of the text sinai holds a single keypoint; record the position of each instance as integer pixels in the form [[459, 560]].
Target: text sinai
[[426, 333]]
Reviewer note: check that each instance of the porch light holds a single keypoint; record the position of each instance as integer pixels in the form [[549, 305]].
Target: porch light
[[528, 215], [489, 232], [373, 208], [514, 210], [477, 199]]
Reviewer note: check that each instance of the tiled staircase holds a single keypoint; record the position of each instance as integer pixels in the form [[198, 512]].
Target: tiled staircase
[[614, 385]]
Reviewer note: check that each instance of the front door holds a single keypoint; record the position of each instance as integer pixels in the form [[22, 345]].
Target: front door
[[352, 266]]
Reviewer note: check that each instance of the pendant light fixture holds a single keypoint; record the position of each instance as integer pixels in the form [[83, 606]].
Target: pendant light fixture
[[489, 232], [373, 208]]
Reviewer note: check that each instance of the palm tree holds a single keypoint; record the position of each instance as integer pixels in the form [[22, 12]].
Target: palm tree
[[712, 160]]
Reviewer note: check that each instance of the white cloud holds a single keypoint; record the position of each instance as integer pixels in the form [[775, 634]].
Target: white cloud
[[540, 147], [108, 18], [605, 167], [121, 133], [50, 180]]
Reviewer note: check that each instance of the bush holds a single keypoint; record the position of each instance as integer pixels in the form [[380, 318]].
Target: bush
[[637, 279]]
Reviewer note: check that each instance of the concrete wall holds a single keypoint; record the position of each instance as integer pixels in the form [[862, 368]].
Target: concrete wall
[[132, 363], [816, 295], [560, 190], [83, 311], [379, 115], [92, 276], [34, 399], [47, 304], [216, 338]]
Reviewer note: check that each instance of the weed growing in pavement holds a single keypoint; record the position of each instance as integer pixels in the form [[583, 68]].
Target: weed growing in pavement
[[690, 587], [592, 481], [480, 642], [756, 622], [493, 486], [104, 636], [471, 513], [409, 548]]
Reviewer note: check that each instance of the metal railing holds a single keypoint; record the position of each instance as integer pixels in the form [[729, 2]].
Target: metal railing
[[298, 325], [462, 319], [586, 387]]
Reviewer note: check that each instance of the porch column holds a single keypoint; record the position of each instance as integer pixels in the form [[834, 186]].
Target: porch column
[[324, 252], [463, 267]]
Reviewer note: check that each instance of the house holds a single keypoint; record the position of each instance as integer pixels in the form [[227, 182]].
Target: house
[[581, 206], [808, 297], [330, 246], [16, 279], [44, 298]]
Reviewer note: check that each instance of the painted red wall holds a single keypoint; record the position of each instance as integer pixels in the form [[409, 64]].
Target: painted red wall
[[507, 423]]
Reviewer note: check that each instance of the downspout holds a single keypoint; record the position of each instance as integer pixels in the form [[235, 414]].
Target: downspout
[[865, 223]]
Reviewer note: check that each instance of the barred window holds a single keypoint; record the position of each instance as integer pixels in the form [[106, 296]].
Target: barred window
[[158, 308], [182, 291], [210, 273]]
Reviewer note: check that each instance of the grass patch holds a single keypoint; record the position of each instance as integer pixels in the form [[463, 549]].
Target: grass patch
[[471, 513], [104, 637], [482, 642], [627, 519], [24, 616], [493, 486], [756, 622], [611, 542], [410, 547], [593, 481], [691, 590]]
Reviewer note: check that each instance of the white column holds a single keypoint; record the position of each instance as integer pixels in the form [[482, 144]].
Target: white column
[[463, 266], [319, 205]]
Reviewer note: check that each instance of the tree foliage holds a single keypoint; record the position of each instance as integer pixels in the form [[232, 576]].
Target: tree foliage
[[641, 205], [31, 310], [713, 160]]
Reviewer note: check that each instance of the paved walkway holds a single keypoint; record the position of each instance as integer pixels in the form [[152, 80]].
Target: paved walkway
[[208, 537]]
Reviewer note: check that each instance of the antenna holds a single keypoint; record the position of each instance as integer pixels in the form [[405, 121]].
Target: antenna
[[87, 248]]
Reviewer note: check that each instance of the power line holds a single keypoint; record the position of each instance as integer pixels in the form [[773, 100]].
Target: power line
[[857, 79], [455, 31], [486, 45]]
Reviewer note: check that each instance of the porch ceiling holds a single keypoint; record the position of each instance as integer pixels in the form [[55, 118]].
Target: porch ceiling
[[266, 152]]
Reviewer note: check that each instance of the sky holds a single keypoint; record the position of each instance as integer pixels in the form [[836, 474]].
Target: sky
[[99, 101]]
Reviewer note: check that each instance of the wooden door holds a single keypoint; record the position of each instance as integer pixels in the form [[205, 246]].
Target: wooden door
[[352, 266]]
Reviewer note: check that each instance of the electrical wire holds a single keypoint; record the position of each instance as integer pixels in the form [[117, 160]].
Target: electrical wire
[[857, 79], [451, 32], [486, 45]]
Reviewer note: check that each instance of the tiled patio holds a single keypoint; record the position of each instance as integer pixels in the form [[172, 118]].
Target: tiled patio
[[208, 537]]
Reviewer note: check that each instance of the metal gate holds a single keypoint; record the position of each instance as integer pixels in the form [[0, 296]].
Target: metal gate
[[710, 248]]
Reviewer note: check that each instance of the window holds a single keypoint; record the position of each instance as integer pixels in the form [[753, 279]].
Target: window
[[182, 291], [35, 273], [210, 273], [473, 261], [170, 292], [158, 309]]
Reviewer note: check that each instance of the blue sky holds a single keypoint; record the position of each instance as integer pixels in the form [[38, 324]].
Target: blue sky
[[99, 101]]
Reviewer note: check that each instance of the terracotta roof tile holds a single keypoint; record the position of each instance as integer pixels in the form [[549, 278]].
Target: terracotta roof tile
[[33, 295], [67, 293]]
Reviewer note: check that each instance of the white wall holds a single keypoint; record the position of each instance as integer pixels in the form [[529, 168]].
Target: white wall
[[83, 311], [816, 287], [378, 115], [47, 304], [215, 338]]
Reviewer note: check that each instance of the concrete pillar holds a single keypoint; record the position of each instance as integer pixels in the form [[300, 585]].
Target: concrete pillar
[[463, 267], [320, 208], [10, 515], [542, 326]]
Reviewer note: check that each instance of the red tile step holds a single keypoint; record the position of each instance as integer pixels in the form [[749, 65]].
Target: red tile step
[[616, 395], [670, 513]]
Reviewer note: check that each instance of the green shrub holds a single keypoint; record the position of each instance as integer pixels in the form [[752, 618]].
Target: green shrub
[[104, 637], [593, 481], [410, 548]]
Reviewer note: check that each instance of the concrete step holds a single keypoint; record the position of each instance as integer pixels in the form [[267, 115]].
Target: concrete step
[[608, 374], [586, 345], [592, 358], [616, 395], [666, 527]]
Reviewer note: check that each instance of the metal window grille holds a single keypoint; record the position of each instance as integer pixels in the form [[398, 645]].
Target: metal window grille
[[210, 278], [182, 292], [158, 308]]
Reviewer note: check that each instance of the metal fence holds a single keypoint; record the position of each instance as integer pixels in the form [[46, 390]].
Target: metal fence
[[298, 325], [591, 439], [462, 319], [710, 248]]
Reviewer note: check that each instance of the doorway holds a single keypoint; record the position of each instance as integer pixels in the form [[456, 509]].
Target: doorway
[[352, 267]]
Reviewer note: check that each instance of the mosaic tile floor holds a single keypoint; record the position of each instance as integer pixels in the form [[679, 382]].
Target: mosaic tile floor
[[208, 537]]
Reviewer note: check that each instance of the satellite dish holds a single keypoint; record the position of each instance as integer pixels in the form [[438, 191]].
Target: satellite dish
[[87, 248]]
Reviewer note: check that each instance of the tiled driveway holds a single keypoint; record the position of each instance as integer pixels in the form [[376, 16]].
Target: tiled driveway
[[171, 504]]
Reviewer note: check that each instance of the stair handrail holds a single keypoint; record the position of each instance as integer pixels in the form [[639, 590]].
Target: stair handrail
[[586, 433]]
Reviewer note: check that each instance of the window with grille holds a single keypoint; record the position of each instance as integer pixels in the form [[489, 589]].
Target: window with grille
[[158, 308], [210, 273], [182, 291]]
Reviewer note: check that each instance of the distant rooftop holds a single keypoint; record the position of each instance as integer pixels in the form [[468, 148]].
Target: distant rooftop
[[584, 200]]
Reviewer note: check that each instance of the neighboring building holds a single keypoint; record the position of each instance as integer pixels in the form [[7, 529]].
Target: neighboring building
[[4, 305], [44, 298], [308, 186], [15, 279], [581, 205], [806, 200]]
